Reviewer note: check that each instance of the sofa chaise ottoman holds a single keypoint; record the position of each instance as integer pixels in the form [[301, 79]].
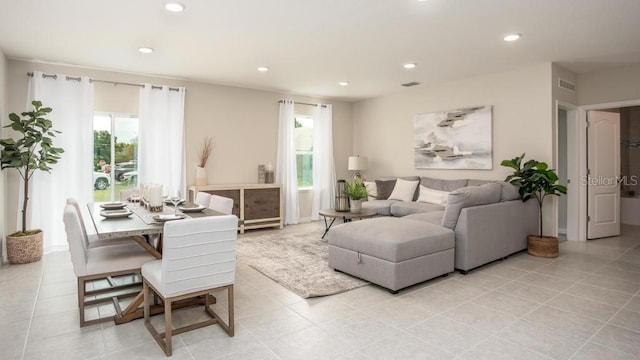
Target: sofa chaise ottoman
[[392, 252]]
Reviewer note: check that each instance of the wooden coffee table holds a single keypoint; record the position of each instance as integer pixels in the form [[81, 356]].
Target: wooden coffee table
[[345, 215]]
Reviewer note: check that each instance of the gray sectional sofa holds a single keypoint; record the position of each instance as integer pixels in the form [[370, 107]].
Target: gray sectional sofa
[[412, 241]]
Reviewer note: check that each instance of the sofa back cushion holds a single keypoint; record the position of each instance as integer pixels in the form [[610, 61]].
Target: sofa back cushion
[[467, 197], [404, 190], [384, 188], [432, 196], [443, 185], [509, 191], [372, 190]]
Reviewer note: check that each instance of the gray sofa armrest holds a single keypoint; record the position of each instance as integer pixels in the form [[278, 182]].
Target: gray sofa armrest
[[490, 232]]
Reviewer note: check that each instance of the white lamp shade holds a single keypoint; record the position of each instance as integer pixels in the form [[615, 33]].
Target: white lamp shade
[[357, 163]]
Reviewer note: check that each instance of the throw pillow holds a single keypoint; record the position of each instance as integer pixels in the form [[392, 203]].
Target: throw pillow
[[371, 189], [433, 196], [443, 185], [467, 197], [509, 192], [384, 188], [404, 190]]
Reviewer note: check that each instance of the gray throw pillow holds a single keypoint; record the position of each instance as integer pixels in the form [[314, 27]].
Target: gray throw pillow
[[443, 185], [467, 197], [509, 192], [385, 188]]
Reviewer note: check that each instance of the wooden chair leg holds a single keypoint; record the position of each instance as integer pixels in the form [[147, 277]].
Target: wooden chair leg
[[145, 294], [168, 327], [81, 300], [231, 311]]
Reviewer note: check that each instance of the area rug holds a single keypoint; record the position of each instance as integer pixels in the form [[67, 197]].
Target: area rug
[[297, 261]]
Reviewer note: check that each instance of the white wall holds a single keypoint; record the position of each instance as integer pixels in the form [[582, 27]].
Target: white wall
[[609, 85], [243, 122], [3, 115]]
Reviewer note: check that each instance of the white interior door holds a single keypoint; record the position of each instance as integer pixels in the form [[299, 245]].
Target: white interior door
[[603, 163]]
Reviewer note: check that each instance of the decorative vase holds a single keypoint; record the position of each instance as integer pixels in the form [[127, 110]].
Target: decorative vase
[[546, 246], [24, 249], [356, 206], [201, 176]]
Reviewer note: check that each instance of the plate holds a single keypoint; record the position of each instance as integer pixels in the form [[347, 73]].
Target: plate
[[191, 207], [113, 205], [164, 218], [116, 214]]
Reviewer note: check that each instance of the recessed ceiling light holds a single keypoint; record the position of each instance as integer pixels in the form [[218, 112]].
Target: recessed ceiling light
[[145, 50], [409, 65], [263, 68], [512, 37], [344, 83], [174, 6]]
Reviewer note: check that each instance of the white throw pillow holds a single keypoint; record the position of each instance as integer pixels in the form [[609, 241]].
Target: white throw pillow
[[372, 189], [432, 196], [404, 190]]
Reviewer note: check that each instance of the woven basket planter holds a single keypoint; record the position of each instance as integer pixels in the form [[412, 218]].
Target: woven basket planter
[[24, 249], [546, 246]]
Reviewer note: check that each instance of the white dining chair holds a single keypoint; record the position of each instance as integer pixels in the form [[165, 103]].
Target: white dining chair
[[92, 239], [202, 198], [221, 204], [101, 263], [198, 258]]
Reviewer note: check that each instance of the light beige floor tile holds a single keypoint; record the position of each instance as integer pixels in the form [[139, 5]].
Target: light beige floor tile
[[449, 335], [523, 264], [58, 289], [565, 321], [309, 344], [323, 309], [545, 281], [627, 319], [212, 342], [585, 307], [56, 304], [600, 294], [482, 279], [633, 304], [404, 347], [43, 327], [358, 329], [618, 338], [365, 296], [541, 339], [151, 350], [126, 335], [275, 323], [500, 301], [528, 291], [357, 355], [591, 351], [559, 271], [612, 284], [398, 313], [249, 353], [433, 300], [498, 349], [480, 317], [632, 276], [501, 269], [76, 345], [13, 337], [458, 288]]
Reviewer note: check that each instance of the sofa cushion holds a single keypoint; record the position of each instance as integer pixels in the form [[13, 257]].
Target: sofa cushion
[[384, 188], [404, 208], [433, 196], [382, 207], [509, 191], [392, 239], [466, 197], [443, 185], [477, 182], [404, 190], [371, 189], [432, 217]]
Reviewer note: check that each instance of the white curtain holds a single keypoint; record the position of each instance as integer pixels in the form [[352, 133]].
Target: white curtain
[[161, 148], [286, 170], [324, 172], [71, 101]]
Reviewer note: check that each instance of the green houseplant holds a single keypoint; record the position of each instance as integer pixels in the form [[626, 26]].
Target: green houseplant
[[30, 151], [536, 180], [356, 191]]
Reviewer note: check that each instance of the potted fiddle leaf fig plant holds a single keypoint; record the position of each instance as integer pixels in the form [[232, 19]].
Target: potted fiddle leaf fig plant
[[356, 191], [536, 180], [30, 151]]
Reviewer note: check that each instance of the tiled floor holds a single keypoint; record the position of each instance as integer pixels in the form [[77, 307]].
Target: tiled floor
[[583, 305]]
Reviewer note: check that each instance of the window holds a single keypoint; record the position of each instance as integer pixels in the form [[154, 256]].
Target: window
[[304, 150], [115, 153]]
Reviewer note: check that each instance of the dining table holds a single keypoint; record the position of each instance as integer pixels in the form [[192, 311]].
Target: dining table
[[113, 220]]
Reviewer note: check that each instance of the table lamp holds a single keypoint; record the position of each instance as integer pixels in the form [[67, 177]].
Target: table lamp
[[357, 164]]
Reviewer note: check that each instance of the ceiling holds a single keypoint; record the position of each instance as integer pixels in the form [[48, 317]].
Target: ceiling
[[311, 45]]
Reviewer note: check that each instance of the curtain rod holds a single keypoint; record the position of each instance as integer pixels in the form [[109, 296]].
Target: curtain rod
[[302, 103], [30, 74]]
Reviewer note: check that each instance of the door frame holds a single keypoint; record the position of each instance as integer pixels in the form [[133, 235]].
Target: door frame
[[573, 172], [582, 148]]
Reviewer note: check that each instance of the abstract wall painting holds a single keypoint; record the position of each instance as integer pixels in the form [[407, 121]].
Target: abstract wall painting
[[455, 139]]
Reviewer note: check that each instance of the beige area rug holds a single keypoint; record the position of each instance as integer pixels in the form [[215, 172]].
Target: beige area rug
[[297, 261]]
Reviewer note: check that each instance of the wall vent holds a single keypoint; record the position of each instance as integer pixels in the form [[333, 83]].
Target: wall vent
[[409, 84], [567, 85]]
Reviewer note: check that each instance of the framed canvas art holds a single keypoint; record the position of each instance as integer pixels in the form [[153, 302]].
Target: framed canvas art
[[455, 139]]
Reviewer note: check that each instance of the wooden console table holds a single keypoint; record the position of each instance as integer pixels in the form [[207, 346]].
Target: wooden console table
[[256, 205]]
